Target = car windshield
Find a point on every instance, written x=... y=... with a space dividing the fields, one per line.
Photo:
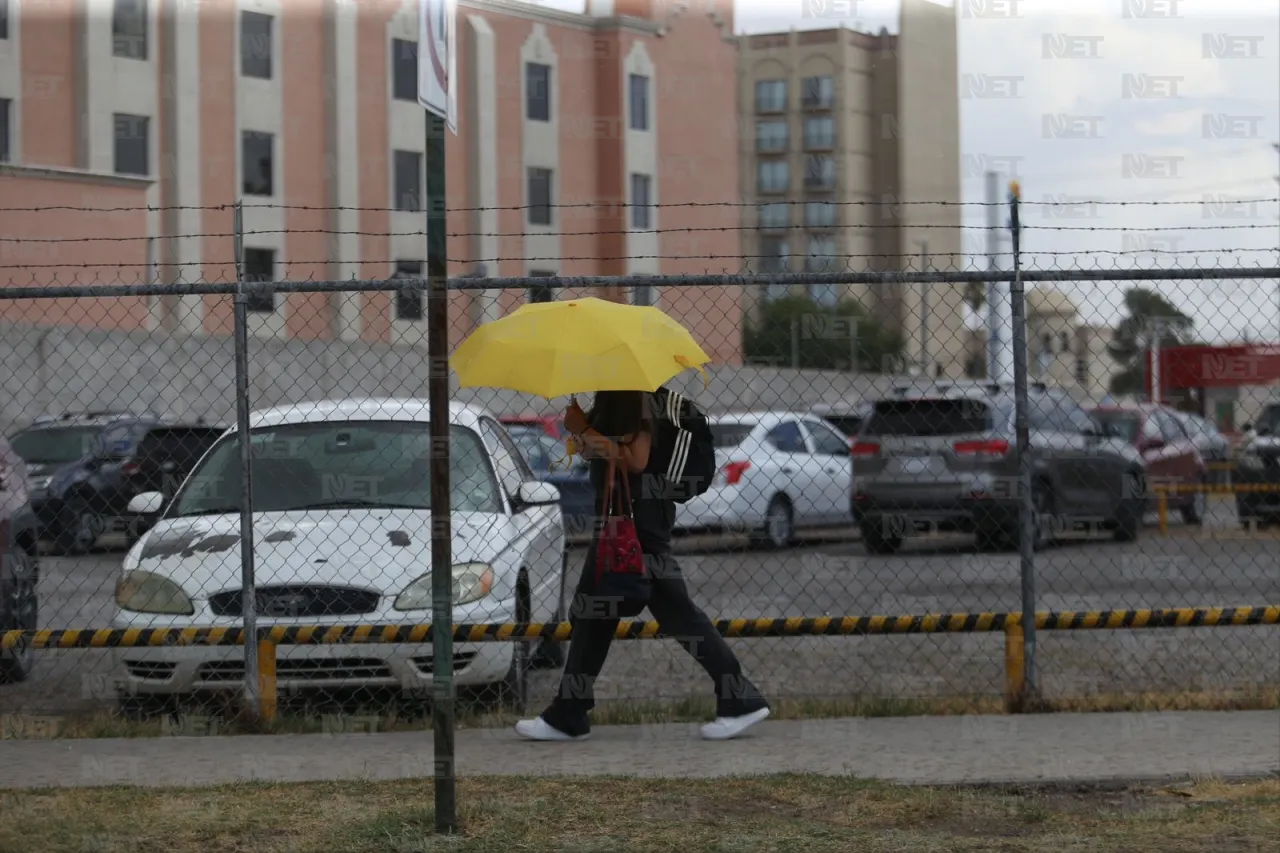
x=923 y=418
x=336 y=465
x=1118 y=424
x=543 y=452
x=730 y=434
x=56 y=445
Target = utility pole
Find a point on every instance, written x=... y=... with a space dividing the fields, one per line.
x=924 y=312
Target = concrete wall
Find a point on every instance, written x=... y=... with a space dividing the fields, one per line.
x=50 y=370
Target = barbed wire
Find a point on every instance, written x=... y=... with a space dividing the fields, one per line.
x=622 y=205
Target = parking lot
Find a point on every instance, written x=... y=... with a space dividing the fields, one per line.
x=1217 y=565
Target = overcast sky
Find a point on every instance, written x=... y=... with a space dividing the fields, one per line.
x=1088 y=100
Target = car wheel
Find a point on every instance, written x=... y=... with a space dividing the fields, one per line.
x=513 y=690
x=550 y=654
x=80 y=530
x=877 y=540
x=779 y=525
x=19 y=611
x=1196 y=508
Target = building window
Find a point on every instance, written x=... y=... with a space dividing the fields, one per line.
x=541 y=292
x=260 y=265
x=771 y=137
x=540 y=196
x=819 y=172
x=1064 y=342
x=255 y=45
x=408 y=296
x=639 y=84
x=4 y=19
x=826 y=295
x=537 y=91
x=774 y=255
x=819 y=133
x=5 y=109
x=128 y=29
x=408 y=180
x=256 y=162
x=771 y=96
x=404 y=70
x=772 y=176
x=641 y=202
x=819 y=214
x=774 y=216
x=817 y=93
x=1082 y=370
x=821 y=256
x=132 y=156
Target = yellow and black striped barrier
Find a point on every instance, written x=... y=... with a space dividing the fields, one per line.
x=801 y=626
x=1163 y=491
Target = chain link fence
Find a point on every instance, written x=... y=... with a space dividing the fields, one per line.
x=878 y=457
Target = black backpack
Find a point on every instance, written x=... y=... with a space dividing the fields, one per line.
x=682 y=461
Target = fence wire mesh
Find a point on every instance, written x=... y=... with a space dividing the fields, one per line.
x=866 y=441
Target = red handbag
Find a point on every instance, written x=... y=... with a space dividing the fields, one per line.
x=620 y=570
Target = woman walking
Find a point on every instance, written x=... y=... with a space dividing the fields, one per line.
x=619 y=427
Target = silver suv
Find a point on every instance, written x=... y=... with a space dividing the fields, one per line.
x=944 y=458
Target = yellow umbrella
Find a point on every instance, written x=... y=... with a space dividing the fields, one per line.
x=555 y=349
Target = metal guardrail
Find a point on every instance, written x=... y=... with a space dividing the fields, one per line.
x=269 y=639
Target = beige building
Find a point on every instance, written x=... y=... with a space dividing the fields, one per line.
x=838 y=129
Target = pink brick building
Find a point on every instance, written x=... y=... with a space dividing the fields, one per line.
x=306 y=112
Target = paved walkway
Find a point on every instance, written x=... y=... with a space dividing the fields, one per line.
x=923 y=750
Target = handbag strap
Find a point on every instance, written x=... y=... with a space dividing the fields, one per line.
x=610 y=482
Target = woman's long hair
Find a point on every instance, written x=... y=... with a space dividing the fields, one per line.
x=615 y=414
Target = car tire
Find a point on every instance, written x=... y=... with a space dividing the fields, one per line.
x=79 y=529
x=779 y=525
x=1194 y=511
x=876 y=541
x=19 y=611
x=549 y=653
x=513 y=690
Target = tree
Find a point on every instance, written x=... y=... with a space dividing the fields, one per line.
x=822 y=335
x=1147 y=315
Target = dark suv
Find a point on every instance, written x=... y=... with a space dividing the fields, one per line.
x=1258 y=465
x=945 y=458
x=85 y=468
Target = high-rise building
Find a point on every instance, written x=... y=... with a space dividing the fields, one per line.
x=844 y=133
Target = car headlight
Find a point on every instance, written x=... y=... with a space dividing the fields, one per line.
x=471 y=582
x=147 y=592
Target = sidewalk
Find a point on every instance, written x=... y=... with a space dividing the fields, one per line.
x=915 y=750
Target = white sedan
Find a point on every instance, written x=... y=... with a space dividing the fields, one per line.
x=342 y=530
x=776 y=472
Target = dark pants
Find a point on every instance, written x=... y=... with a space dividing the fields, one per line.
x=595 y=623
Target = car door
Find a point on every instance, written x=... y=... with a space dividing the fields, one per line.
x=539 y=539
x=791 y=469
x=1160 y=452
x=831 y=453
x=1187 y=453
x=1099 y=465
x=1058 y=451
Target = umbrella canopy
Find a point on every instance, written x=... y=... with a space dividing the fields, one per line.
x=554 y=349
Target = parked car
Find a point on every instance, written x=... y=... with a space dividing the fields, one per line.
x=19 y=563
x=1171 y=455
x=86 y=468
x=777 y=472
x=552 y=425
x=1214 y=447
x=547 y=457
x=1258 y=465
x=342 y=535
x=846 y=418
x=947 y=460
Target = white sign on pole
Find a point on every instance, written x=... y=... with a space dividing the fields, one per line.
x=437 y=59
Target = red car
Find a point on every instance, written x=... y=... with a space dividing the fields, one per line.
x=552 y=425
x=1172 y=455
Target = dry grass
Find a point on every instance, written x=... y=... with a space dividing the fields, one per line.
x=381 y=718
x=777 y=813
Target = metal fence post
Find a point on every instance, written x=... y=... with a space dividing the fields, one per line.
x=442 y=705
x=247 y=587
x=1026 y=502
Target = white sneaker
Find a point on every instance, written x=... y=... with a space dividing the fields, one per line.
x=540 y=729
x=727 y=728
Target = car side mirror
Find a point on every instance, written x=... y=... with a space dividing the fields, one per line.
x=537 y=494
x=147 y=503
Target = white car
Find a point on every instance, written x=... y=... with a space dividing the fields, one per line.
x=776 y=472
x=342 y=532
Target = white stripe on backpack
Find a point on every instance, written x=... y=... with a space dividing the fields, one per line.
x=679 y=456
